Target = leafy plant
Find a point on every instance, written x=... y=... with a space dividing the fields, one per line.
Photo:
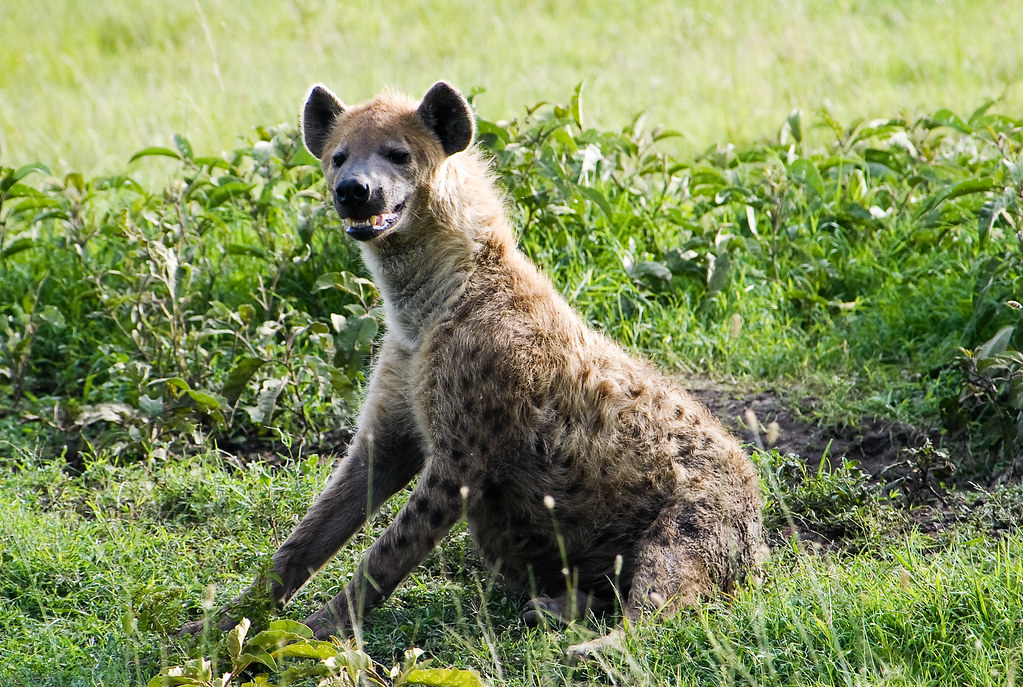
x=288 y=649
x=833 y=502
x=922 y=473
x=988 y=408
x=214 y=304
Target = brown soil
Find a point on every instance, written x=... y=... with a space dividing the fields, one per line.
x=872 y=442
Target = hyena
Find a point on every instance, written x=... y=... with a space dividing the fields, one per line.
x=583 y=473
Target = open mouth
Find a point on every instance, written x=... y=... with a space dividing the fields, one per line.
x=373 y=226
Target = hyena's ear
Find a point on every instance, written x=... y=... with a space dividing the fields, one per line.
x=448 y=115
x=322 y=108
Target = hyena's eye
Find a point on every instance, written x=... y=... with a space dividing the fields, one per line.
x=398 y=156
x=338 y=159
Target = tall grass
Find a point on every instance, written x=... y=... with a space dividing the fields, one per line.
x=82 y=86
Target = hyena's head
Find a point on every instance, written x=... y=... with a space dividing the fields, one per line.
x=378 y=158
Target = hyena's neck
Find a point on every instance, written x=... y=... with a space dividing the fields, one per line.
x=418 y=286
x=424 y=268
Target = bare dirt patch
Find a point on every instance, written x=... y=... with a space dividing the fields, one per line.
x=874 y=443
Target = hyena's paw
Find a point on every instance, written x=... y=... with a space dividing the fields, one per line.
x=224 y=623
x=542 y=610
x=562 y=609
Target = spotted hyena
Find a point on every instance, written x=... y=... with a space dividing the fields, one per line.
x=583 y=472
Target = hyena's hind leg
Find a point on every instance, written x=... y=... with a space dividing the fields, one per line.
x=691 y=549
x=700 y=543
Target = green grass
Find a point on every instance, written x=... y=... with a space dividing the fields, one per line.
x=99 y=568
x=82 y=87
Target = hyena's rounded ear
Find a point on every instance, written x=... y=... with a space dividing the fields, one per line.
x=322 y=108
x=447 y=114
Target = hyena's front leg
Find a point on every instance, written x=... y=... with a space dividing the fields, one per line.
x=435 y=505
x=363 y=481
x=372 y=473
x=383 y=457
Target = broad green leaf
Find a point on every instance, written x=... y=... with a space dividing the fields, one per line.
x=183 y=146
x=20 y=173
x=576 y=107
x=599 y=200
x=667 y=133
x=961 y=189
x=224 y=193
x=981 y=111
x=53 y=317
x=649 y=268
x=246 y=312
x=17 y=246
x=491 y=135
x=708 y=180
x=996 y=344
x=807 y=174
x=972 y=186
x=150 y=406
x=111 y=411
x=949 y=119
x=75 y=180
x=236 y=638
x=34 y=202
x=443 y=677
x=213 y=162
x=271 y=640
x=239 y=377
x=244 y=249
x=719 y=273
x=294 y=627
x=329 y=280
x=1016 y=396
x=205 y=402
x=321 y=651
x=988 y=215
x=174 y=681
x=176 y=383
x=254 y=654
x=795 y=124
x=367 y=331
x=262 y=412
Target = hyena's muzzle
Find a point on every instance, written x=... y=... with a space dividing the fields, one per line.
x=370 y=195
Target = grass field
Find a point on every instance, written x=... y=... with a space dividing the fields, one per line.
x=184 y=337
x=82 y=86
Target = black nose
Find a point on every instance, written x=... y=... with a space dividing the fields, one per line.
x=351 y=191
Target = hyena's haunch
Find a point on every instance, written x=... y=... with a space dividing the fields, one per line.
x=583 y=472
